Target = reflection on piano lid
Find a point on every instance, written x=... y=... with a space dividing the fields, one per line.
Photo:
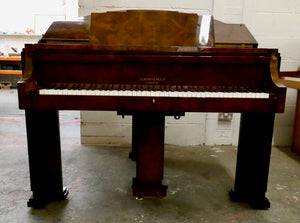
x=206 y=26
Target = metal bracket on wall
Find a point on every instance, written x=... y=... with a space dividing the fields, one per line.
x=225 y=117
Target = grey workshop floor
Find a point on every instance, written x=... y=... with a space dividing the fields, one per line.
x=99 y=178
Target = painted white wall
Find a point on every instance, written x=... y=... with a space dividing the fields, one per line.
x=18 y=18
x=19 y=15
x=274 y=23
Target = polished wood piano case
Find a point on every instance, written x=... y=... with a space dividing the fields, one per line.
x=149 y=64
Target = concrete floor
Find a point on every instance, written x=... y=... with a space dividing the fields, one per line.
x=100 y=177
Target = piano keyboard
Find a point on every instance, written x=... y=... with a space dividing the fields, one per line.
x=181 y=92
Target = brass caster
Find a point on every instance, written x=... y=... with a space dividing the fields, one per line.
x=139 y=198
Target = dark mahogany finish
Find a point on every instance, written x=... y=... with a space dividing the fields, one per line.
x=156 y=50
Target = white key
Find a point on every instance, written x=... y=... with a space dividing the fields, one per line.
x=97 y=92
x=164 y=94
x=57 y=92
x=83 y=92
x=64 y=92
x=266 y=95
x=157 y=93
x=190 y=94
x=250 y=95
x=71 y=92
x=144 y=93
x=114 y=93
x=43 y=91
x=106 y=93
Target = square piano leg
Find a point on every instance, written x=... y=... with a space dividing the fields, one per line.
x=149 y=142
x=253 y=159
x=134 y=149
x=44 y=155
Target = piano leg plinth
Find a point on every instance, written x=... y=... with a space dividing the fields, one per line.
x=44 y=155
x=143 y=189
x=39 y=201
x=149 y=143
x=253 y=159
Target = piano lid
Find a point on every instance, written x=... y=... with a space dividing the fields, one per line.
x=230 y=35
x=149 y=28
x=68 y=31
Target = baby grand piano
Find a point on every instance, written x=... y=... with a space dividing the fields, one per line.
x=149 y=64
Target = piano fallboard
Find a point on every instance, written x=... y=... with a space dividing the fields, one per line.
x=86 y=64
